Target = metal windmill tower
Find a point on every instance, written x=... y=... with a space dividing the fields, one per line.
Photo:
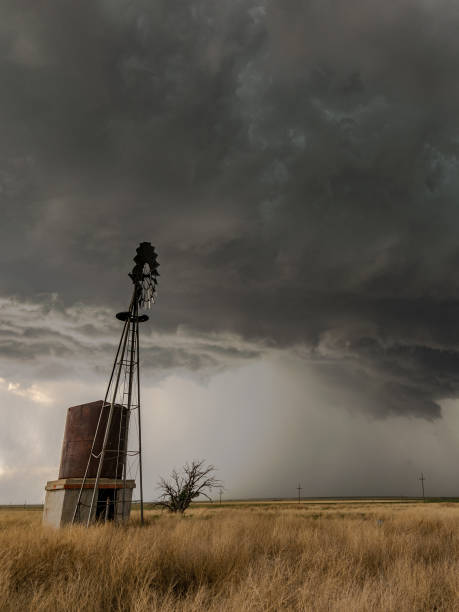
x=120 y=410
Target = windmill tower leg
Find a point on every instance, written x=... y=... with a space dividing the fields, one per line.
x=133 y=323
x=140 y=427
x=109 y=421
x=91 y=454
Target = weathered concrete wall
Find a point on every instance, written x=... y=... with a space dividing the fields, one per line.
x=123 y=511
x=52 y=511
x=62 y=496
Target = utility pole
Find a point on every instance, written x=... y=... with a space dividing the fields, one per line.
x=220 y=493
x=422 y=478
x=299 y=487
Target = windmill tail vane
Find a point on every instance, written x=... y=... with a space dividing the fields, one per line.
x=112 y=465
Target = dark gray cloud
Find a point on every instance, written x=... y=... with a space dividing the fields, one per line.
x=295 y=162
x=50 y=342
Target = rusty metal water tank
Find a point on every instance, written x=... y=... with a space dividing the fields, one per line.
x=80 y=429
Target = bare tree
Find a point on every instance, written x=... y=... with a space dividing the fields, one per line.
x=195 y=479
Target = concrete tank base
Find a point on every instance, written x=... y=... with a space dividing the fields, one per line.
x=62 y=496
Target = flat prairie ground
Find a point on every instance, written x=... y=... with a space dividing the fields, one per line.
x=346 y=556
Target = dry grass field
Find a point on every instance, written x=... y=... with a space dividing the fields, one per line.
x=322 y=556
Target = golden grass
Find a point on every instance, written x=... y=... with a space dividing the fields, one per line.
x=347 y=557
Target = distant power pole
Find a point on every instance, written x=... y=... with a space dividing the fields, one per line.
x=299 y=487
x=422 y=478
x=220 y=493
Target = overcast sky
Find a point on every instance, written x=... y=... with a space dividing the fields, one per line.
x=295 y=163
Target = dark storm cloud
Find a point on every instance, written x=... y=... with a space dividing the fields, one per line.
x=295 y=163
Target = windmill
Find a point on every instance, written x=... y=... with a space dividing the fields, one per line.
x=120 y=409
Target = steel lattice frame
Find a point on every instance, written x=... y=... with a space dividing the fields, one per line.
x=124 y=380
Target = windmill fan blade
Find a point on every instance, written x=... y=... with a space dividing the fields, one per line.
x=145 y=273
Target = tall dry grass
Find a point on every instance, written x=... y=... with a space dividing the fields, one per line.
x=337 y=557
